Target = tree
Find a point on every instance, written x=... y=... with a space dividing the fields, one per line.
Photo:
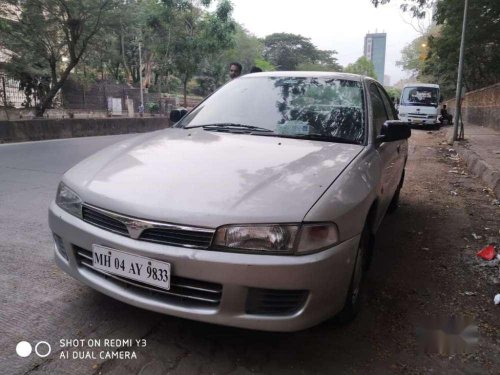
x=482 y=45
x=413 y=56
x=312 y=67
x=362 y=66
x=418 y=8
x=48 y=38
x=247 y=50
x=265 y=65
x=199 y=36
x=288 y=51
x=393 y=92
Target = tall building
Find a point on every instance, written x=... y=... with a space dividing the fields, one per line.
x=375 y=51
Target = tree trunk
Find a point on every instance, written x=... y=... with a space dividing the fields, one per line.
x=54 y=89
x=185 y=82
x=125 y=66
x=148 y=68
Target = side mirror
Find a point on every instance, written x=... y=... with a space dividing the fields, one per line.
x=394 y=130
x=177 y=114
x=441 y=99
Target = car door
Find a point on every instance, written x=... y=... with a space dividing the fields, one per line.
x=402 y=146
x=387 y=150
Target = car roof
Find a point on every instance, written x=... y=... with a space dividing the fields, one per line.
x=416 y=84
x=300 y=74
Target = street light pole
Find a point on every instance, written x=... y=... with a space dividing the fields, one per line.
x=140 y=74
x=458 y=96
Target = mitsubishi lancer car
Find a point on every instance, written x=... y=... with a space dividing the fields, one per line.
x=257 y=209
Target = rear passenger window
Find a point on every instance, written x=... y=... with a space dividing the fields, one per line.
x=379 y=114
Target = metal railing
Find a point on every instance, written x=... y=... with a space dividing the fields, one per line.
x=10 y=94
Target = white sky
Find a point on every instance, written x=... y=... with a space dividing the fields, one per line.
x=332 y=24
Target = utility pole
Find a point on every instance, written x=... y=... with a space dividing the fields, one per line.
x=140 y=74
x=458 y=96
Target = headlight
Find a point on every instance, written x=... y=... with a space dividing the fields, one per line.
x=69 y=201
x=277 y=238
x=265 y=238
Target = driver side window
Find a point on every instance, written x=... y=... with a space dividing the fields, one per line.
x=379 y=113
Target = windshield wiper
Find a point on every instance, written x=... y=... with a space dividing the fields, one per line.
x=314 y=137
x=230 y=126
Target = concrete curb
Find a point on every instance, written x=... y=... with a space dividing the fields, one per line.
x=480 y=168
x=43 y=129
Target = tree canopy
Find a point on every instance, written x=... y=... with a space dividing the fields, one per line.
x=418 y=8
x=434 y=56
x=362 y=66
x=48 y=38
x=186 y=46
x=291 y=51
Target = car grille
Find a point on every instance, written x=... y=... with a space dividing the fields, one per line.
x=275 y=302
x=177 y=237
x=417 y=115
x=183 y=292
x=166 y=234
x=103 y=221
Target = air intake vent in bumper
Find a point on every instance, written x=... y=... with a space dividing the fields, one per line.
x=275 y=302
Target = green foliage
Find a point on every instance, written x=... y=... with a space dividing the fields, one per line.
x=362 y=66
x=288 y=51
x=413 y=56
x=40 y=33
x=418 y=8
x=153 y=107
x=199 y=36
x=266 y=66
x=393 y=92
x=314 y=67
x=246 y=49
x=482 y=45
x=186 y=45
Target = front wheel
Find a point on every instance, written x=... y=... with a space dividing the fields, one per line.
x=353 y=301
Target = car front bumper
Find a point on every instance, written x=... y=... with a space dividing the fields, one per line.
x=420 y=121
x=240 y=282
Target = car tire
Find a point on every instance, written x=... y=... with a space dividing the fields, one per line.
x=352 y=303
x=393 y=206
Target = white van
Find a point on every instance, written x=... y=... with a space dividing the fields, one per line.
x=419 y=103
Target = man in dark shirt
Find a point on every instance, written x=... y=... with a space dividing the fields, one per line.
x=445 y=116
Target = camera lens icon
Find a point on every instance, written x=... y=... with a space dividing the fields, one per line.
x=23 y=349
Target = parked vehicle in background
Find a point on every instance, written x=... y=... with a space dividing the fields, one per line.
x=258 y=210
x=419 y=104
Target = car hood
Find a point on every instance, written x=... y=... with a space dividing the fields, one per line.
x=203 y=178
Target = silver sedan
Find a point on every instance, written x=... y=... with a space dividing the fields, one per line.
x=258 y=209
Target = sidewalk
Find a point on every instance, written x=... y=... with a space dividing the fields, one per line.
x=481 y=152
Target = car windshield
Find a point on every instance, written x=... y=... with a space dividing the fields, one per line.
x=302 y=107
x=420 y=96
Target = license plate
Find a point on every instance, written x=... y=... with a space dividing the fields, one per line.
x=134 y=267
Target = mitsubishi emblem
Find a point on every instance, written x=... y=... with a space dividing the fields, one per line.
x=135 y=228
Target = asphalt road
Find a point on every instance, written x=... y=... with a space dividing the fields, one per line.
x=424 y=267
